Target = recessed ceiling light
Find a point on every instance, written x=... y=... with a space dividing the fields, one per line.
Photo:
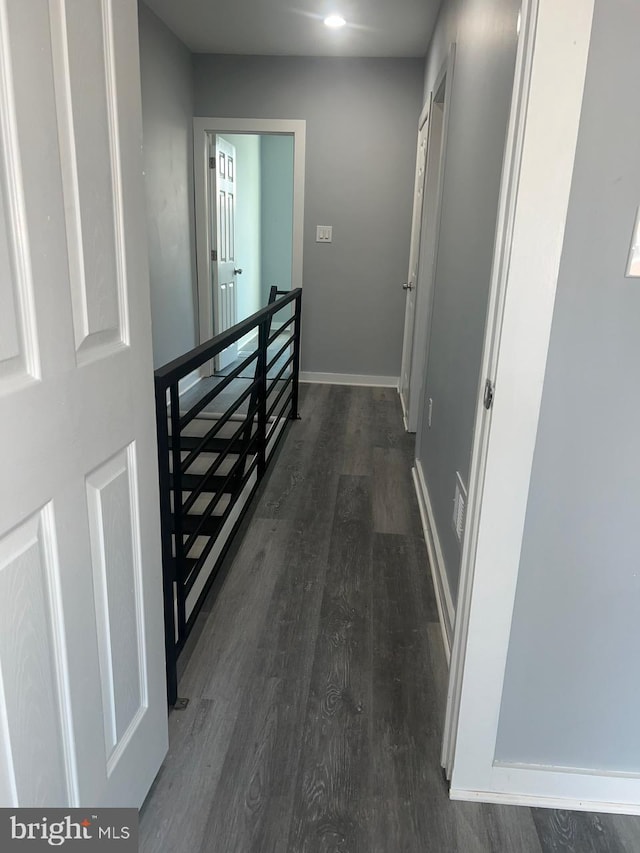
x=335 y=21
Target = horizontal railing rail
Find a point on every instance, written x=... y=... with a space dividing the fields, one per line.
x=185 y=364
x=214 y=444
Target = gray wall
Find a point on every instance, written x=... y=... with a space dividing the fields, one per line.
x=572 y=691
x=248 y=222
x=277 y=212
x=480 y=99
x=167 y=111
x=361 y=135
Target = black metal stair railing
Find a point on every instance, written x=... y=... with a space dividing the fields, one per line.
x=213 y=454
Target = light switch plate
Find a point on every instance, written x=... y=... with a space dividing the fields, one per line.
x=324 y=233
x=633 y=267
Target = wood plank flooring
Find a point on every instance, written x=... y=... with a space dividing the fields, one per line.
x=317 y=678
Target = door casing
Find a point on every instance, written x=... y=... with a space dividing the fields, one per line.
x=537 y=171
x=203 y=128
x=422 y=155
x=429 y=238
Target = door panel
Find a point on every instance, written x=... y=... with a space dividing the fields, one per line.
x=19 y=362
x=82 y=696
x=428 y=250
x=85 y=92
x=117 y=583
x=414 y=259
x=225 y=311
x=34 y=677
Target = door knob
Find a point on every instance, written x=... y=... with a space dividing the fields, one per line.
x=237 y=271
x=407 y=286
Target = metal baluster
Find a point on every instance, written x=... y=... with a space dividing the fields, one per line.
x=296 y=357
x=168 y=561
x=261 y=370
x=178 y=542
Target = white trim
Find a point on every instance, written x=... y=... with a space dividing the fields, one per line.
x=565 y=803
x=419 y=184
x=633 y=264
x=250 y=340
x=187 y=382
x=521 y=326
x=444 y=600
x=531 y=784
x=556 y=768
x=504 y=236
x=428 y=264
x=402 y=404
x=202 y=127
x=205 y=572
x=17 y=230
x=221 y=541
x=350 y=379
x=425 y=113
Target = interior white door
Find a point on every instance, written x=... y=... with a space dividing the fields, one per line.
x=224 y=269
x=414 y=260
x=83 y=716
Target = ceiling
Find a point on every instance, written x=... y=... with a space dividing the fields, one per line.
x=390 y=28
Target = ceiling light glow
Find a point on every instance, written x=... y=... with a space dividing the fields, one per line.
x=335 y=21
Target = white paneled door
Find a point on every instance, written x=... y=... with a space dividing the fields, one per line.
x=224 y=263
x=414 y=260
x=82 y=687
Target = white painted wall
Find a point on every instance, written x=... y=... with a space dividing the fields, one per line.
x=485 y=35
x=361 y=123
x=276 y=159
x=167 y=111
x=571 y=695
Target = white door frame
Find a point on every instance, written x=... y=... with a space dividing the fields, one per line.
x=222 y=233
x=538 y=168
x=427 y=265
x=424 y=127
x=202 y=127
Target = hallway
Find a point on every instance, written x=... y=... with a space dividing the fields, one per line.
x=316 y=675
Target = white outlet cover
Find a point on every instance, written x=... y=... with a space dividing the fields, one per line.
x=633 y=267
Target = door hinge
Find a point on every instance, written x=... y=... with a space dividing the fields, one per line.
x=214 y=254
x=212 y=162
x=489 y=394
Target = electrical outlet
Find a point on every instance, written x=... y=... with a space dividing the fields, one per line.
x=459 y=507
x=430 y=412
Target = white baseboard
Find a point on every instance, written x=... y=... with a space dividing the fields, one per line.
x=350 y=379
x=223 y=536
x=444 y=601
x=189 y=381
x=404 y=409
x=534 y=801
x=250 y=340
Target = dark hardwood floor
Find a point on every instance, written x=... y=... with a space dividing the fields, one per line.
x=317 y=678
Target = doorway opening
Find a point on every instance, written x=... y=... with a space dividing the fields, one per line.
x=251 y=225
x=430 y=167
x=249 y=196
